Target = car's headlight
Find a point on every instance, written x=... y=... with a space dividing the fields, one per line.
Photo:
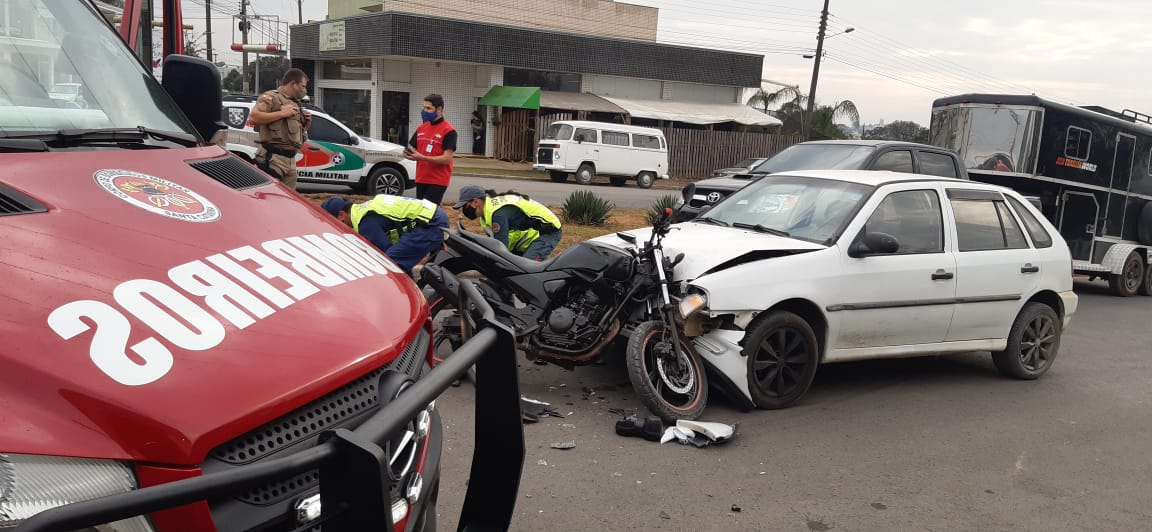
x=691 y=304
x=30 y=484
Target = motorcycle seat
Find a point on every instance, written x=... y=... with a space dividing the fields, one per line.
x=498 y=248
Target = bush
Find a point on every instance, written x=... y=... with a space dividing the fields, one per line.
x=586 y=208
x=667 y=201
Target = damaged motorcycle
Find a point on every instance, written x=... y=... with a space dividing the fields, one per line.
x=568 y=310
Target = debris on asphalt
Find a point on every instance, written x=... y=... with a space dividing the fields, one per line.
x=664 y=515
x=564 y=445
x=532 y=410
x=541 y=462
x=698 y=433
x=735 y=507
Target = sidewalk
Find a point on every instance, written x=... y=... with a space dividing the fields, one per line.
x=476 y=166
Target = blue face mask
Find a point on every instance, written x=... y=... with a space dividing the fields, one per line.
x=428 y=116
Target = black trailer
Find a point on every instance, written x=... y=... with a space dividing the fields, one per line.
x=1089 y=168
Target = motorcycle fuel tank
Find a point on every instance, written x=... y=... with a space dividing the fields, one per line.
x=614 y=263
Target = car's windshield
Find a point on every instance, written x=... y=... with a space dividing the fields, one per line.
x=817 y=157
x=558 y=132
x=65 y=68
x=746 y=163
x=806 y=208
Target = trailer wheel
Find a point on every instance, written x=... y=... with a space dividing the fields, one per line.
x=1131 y=278
x=1144 y=226
x=1146 y=286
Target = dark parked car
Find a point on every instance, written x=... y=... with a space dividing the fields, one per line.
x=742 y=167
x=896 y=156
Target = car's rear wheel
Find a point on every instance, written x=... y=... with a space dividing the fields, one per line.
x=1131 y=277
x=585 y=174
x=645 y=179
x=384 y=180
x=783 y=354
x=1033 y=343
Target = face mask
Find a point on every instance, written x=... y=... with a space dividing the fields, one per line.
x=469 y=211
x=428 y=116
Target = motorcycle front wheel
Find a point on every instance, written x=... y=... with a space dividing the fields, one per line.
x=671 y=386
x=448 y=329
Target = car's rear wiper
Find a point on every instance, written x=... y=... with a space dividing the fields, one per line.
x=712 y=221
x=22 y=145
x=763 y=229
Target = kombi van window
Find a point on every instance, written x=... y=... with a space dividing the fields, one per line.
x=67 y=72
x=558 y=132
x=646 y=141
x=586 y=135
x=615 y=139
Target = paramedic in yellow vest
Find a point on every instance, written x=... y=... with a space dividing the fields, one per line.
x=282 y=121
x=527 y=227
x=405 y=229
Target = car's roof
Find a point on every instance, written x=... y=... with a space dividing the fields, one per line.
x=251 y=99
x=876 y=178
x=867 y=142
x=610 y=125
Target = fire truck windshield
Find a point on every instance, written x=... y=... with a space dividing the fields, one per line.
x=49 y=44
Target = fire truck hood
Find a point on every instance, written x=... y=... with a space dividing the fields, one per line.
x=151 y=312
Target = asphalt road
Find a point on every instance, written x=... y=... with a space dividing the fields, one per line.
x=918 y=444
x=542 y=190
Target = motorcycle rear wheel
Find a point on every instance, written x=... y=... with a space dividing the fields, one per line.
x=671 y=387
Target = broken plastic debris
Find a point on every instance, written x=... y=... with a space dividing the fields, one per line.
x=541 y=462
x=565 y=445
x=698 y=433
x=533 y=410
x=664 y=515
x=735 y=507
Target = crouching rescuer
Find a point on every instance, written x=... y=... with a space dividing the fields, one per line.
x=406 y=229
x=526 y=227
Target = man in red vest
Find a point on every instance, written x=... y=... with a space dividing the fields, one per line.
x=432 y=147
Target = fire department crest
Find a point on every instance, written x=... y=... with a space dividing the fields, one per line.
x=156 y=195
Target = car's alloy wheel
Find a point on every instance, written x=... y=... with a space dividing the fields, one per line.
x=1033 y=343
x=385 y=180
x=783 y=354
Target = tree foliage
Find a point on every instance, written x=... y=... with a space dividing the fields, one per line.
x=899 y=130
x=791 y=107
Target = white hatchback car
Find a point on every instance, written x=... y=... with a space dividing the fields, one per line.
x=804 y=268
x=332 y=154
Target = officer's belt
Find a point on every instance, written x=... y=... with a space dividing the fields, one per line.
x=277 y=151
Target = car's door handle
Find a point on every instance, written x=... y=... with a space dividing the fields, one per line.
x=942 y=275
x=1029 y=268
x=313 y=148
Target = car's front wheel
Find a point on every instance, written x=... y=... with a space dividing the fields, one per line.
x=783 y=354
x=645 y=179
x=1032 y=343
x=384 y=180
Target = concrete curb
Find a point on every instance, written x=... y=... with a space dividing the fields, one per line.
x=663 y=184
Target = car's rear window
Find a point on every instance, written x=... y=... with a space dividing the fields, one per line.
x=1040 y=236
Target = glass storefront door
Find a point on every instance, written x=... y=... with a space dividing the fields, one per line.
x=353 y=107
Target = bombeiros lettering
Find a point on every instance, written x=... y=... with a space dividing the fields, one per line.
x=192 y=309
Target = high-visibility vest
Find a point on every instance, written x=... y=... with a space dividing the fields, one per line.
x=519 y=240
x=407 y=211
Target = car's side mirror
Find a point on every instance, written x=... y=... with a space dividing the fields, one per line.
x=194 y=85
x=686 y=194
x=874 y=243
x=354 y=141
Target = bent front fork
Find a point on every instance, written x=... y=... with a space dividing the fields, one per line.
x=666 y=307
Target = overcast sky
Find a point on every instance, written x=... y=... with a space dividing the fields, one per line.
x=902 y=53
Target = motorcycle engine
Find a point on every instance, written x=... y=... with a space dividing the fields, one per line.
x=572 y=327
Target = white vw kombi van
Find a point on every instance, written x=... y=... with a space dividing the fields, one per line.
x=588 y=149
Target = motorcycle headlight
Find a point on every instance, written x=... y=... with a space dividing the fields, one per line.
x=691 y=304
x=30 y=484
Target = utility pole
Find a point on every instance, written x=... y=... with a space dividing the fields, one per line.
x=244 y=40
x=300 y=11
x=815 y=71
x=208 y=33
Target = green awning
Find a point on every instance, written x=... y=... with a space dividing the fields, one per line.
x=518 y=97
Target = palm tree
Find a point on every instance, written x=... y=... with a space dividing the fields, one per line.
x=791 y=110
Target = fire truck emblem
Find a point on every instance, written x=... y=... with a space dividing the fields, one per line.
x=157 y=195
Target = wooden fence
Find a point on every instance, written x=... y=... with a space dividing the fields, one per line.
x=692 y=153
x=695 y=153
